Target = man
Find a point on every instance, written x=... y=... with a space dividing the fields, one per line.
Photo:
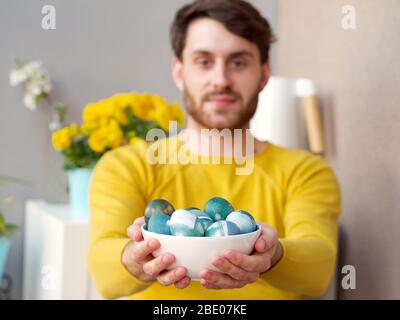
x=221 y=64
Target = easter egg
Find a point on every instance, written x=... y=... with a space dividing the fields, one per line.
x=185 y=223
x=222 y=228
x=157 y=206
x=243 y=220
x=218 y=208
x=203 y=218
x=159 y=223
x=192 y=208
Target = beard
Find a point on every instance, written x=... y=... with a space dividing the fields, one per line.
x=238 y=120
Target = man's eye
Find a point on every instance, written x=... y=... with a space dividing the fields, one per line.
x=204 y=62
x=238 y=64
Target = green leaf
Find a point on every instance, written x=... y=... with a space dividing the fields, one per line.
x=2 y=224
x=10 y=229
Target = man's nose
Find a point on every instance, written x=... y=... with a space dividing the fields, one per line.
x=220 y=77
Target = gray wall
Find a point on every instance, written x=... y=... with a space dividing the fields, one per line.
x=358 y=73
x=99 y=48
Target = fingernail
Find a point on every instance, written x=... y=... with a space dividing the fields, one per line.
x=218 y=262
x=166 y=259
x=130 y=232
x=152 y=243
x=262 y=244
x=180 y=272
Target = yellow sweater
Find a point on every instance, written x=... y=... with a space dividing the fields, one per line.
x=293 y=191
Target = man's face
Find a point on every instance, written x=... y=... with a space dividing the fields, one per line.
x=220 y=75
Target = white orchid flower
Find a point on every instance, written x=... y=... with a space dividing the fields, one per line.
x=33 y=68
x=30 y=101
x=17 y=76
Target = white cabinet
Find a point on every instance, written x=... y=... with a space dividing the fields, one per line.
x=55 y=250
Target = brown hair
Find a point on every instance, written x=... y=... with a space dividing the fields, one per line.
x=238 y=16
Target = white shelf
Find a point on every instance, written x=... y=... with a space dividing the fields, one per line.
x=55 y=250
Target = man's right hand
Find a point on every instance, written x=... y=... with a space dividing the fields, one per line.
x=139 y=261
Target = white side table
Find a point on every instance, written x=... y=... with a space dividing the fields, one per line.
x=55 y=250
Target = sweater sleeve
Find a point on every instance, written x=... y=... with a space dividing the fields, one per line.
x=116 y=199
x=309 y=241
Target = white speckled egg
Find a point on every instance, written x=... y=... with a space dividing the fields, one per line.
x=185 y=223
x=203 y=218
x=222 y=228
x=243 y=220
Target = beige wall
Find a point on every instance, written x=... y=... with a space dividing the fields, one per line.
x=358 y=73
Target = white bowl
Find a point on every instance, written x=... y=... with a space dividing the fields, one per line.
x=196 y=253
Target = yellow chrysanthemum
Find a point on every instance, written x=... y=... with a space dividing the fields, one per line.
x=97 y=141
x=114 y=135
x=91 y=117
x=142 y=106
x=107 y=136
x=135 y=140
x=161 y=115
x=178 y=114
x=122 y=100
x=73 y=130
x=62 y=139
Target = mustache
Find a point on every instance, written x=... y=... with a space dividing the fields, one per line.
x=221 y=92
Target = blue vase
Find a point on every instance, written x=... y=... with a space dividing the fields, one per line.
x=4 y=245
x=78 y=188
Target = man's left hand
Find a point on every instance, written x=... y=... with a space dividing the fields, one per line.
x=238 y=269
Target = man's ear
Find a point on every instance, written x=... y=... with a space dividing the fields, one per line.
x=177 y=66
x=266 y=70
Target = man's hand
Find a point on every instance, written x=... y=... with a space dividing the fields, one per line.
x=138 y=260
x=237 y=269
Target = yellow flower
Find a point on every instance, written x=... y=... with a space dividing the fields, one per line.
x=122 y=100
x=141 y=106
x=62 y=139
x=162 y=116
x=135 y=140
x=178 y=114
x=91 y=117
x=96 y=141
x=73 y=130
x=107 y=136
x=114 y=135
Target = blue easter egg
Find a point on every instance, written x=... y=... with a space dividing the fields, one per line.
x=159 y=223
x=218 y=208
x=157 y=206
x=192 y=208
x=185 y=223
x=243 y=220
x=222 y=229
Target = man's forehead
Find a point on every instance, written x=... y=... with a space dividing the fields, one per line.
x=210 y=36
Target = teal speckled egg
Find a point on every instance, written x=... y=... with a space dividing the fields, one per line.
x=159 y=223
x=218 y=208
x=222 y=229
x=185 y=223
x=204 y=219
x=192 y=208
x=158 y=206
x=243 y=220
